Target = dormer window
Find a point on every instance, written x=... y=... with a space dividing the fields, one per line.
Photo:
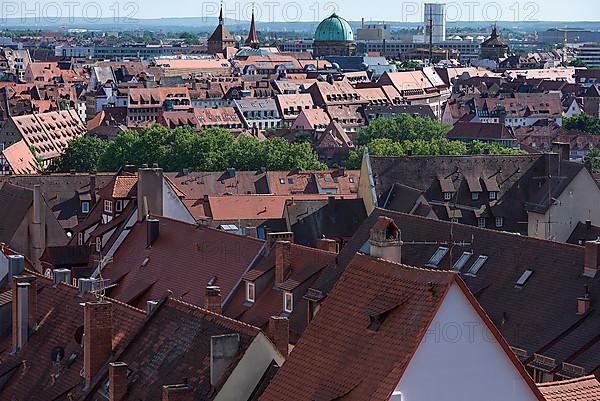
x=250 y=292
x=108 y=206
x=499 y=222
x=493 y=195
x=85 y=207
x=481 y=222
x=447 y=196
x=119 y=206
x=474 y=196
x=288 y=302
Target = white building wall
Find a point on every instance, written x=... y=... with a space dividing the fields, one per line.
x=173 y=207
x=460 y=360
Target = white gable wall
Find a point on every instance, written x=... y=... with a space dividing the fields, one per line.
x=460 y=360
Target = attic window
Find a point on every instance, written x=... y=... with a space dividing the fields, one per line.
x=474 y=196
x=438 y=256
x=493 y=195
x=477 y=265
x=85 y=207
x=250 y=292
x=460 y=263
x=288 y=302
x=108 y=206
x=523 y=279
x=447 y=195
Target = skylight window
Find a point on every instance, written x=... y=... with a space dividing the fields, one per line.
x=524 y=278
x=460 y=263
x=438 y=256
x=477 y=265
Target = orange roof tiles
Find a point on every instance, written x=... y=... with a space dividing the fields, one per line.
x=581 y=389
x=20 y=159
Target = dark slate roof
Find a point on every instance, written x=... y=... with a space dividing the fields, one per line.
x=520 y=182
x=174 y=348
x=336 y=219
x=538 y=317
x=66 y=256
x=479 y=131
x=16 y=202
x=583 y=232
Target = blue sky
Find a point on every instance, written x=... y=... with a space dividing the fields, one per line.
x=313 y=10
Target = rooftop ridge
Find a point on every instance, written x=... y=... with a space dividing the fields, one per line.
x=229 y=322
x=569 y=381
x=403 y=266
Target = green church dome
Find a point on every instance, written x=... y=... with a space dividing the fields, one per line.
x=334 y=29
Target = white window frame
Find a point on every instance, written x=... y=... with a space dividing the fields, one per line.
x=481 y=222
x=80 y=238
x=499 y=222
x=98 y=244
x=493 y=195
x=119 y=206
x=447 y=196
x=474 y=196
x=288 y=302
x=85 y=207
x=250 y=291
x=108 y=207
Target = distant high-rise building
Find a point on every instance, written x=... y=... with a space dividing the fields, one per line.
x=434 y=18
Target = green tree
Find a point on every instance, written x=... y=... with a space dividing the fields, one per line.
x=577 y=63
x=583 y=122
x=82 y=155
x=403 y=127
x=592 y=160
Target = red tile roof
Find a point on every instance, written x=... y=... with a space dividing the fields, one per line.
x=184 y=258
x=581 y=389
x=338 y=357
x=59 y=317
x=20 y=159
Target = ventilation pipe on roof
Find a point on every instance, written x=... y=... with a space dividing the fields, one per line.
x=86 y=285
x=38 y=229
x=151 y=307
x=61 y=276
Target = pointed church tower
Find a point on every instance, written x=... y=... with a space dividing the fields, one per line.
x=252 y=39
x=221 y=38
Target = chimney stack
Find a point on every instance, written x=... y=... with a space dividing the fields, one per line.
x=151 y=307
x=97 y=347
x=153 y=231
x=16 y=266
x=213 y=299
x=117 y=379
x=326 y=244
x=177 y=392
x=563 y=149
x=61 y=276
x=583 y=305
x=86 y=285
x=279 y=333
x=223 y=350
x=24 y=309
x=38 y=229
x=272 y=238
x=590 y=268
x=385 y=240
x=283 y=260
x=149 y=192
x=93 y=187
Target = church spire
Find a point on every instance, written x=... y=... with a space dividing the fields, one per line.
x=252 y=39
x=221 y=19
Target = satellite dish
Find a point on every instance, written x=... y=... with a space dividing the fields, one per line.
x=57 y=354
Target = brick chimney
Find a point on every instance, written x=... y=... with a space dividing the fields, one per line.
x=213 y=299
x=117 y=378
x=283 y=260
x=24 y=309
x=583 y=305
x=279 y=333
x=97 y=347
x=385 y=240
x=591 y=258
x=272 y=238
x=177 y=392
x=326 y=244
